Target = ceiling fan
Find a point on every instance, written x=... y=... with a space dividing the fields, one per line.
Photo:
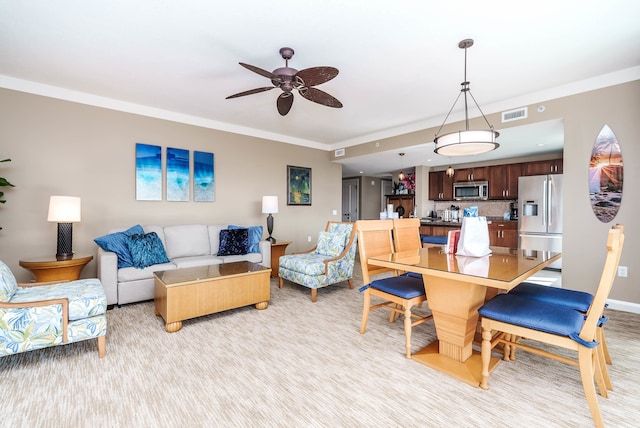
x=288 y=79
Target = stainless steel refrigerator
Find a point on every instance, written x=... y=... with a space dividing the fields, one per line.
x=540 y=213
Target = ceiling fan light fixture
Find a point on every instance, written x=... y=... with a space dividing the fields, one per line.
x=466 y=142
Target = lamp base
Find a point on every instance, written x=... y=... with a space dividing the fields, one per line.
x=65 y=239
x=65 y=256
x=270 y=229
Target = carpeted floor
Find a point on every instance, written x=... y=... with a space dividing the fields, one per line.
x=296 y=364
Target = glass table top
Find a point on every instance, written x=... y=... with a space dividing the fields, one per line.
x=176 y=276
x=503 y=264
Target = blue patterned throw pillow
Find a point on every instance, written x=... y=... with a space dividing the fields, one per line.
x=330 y=244
x=117 y=243
x=233 y=242
x=255 y=236
x=8 y=284
x=146 y=250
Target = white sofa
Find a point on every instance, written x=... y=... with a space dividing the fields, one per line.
x=185 y=245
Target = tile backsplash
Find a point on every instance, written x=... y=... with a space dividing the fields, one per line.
x=485 y=208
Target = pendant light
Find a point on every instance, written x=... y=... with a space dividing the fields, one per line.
x=466 y=142
x=450 y=172
x=401 y=176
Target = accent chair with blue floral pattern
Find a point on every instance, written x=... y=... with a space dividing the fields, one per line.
x=331 y=261
x=39 y=315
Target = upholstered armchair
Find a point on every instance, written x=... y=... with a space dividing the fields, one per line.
x=331 y=261
x=38 y=315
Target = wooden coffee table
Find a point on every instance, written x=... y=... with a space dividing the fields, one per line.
x=182 y=294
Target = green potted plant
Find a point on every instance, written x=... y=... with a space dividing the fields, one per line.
x=4 y=182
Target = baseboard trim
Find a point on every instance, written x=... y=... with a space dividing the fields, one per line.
x=620 y=305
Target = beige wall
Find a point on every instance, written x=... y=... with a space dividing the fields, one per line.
x=584 y=235
x=64 y=148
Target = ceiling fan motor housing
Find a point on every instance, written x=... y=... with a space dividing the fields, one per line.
x=287 y=81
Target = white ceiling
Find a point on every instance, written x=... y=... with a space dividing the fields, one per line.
x=400 y=67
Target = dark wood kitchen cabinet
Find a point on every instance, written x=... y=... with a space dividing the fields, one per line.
x=503 y=234
x=503 y=181
x=471 y=174
x=404 y=205
x=440 y=186
x=553 y=166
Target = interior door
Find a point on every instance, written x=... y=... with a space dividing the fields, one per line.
x=350 y=199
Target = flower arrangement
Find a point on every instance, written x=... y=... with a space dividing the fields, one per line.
x=405 y=186
x=409 y=182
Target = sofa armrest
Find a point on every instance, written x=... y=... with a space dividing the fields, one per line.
x=108 y=274
x=265 y=250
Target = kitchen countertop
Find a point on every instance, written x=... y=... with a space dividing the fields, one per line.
x=439 y=222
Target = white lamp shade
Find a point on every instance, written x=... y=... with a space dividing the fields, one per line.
x=64 y=209
x=269 y=204
x=464 y=143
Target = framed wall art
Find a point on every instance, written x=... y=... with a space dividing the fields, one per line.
x=177 y=174
x=148 y=172
x=203 y=177
x=298 y=185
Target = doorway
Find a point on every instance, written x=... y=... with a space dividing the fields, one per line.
x=350 y=199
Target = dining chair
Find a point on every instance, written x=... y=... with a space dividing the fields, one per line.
x=406 y=234
x=399 y=292
x=516 y=317
x=572 y=299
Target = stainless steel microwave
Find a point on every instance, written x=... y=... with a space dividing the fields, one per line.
x=471 y=191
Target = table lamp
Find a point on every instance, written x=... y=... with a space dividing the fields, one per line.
x=64 y=210
x=270 y=206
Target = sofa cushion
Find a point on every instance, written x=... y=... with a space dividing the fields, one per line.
x=146 y=250
x=233 y=242
x=255 y=236
x=330 y=244
x=186 y=240
x=249 y=257
x=193 y=261
x=117 y=243
x=133 y=274
x=8 y=284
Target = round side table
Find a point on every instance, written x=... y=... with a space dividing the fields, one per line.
x=54 y=270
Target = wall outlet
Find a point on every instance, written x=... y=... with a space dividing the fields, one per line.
x=309 y=238
x=335 y=212
x=622 y=271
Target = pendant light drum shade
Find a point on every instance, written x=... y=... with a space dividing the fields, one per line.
x=464 y=143
x=468 y=141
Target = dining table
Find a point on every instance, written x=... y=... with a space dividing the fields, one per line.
x=456 y=286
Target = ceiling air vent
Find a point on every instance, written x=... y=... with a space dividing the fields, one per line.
x=517 y=114
x=339 y=152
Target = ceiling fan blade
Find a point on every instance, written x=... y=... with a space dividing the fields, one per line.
x=261 y=72
x=320 y=97
x=317 y=75
x=284 y=103
x=250 y=92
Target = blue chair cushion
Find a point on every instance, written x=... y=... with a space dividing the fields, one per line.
x=571 y=299
x=432 y=239
x=413 y=275
x=403 y=286
x=517 y=310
